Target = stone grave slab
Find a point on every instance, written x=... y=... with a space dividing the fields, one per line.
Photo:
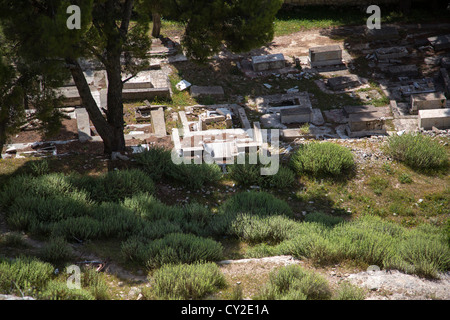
x=385 y=33
x=83 y=124
x=391 y=53
x=213 y=91
x=440 y=42
x=409 y=70
x=325 y=55
x=267 y=62
x=422 y=101
x=344 y=82
x=296 y=115
x=439 y=118
x=158 y=123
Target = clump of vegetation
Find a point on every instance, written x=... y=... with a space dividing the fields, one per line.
x=405 y=178
x=417 y=151
x=58 y=290
x=40 y=167
x=13 y=240
x=56 y=251
x=155 y=162
x=250 y=174
x=322 y=160
x=173 y=248
x=187 y=281
x=378 y=184
x=347 y=291
x=24 y=275
x=294 y=283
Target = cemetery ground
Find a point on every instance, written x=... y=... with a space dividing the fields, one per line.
x=398 y=195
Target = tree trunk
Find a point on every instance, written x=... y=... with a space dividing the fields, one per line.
x=156 y=31
x=110 y=129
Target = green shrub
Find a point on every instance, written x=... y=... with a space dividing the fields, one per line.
x=155 y=162
x=261 y=204
x=24 y=275
x=185 y=281
x=115 y=186
x=246 y=174
x=283 y=179
x=79 y=229
x=322 y=218
x=347 y=291
x=292 y=282
x=56 y=251
x=195 y=176
x=14 y=240
x=173 y=248
x=151 y=209
x=322 y=159
x=417 y=151
x=40 y=167
x=378 y=184
x=58 y=290
x=255 y=229
x=95 y=283
x=405 y=178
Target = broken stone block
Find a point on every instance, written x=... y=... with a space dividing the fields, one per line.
x=409 y=70
x=296 y=115
x=158 y=123
x=439 y=118
x=440 y=42
x=325 y=55
x=344 y=82
x=445 y=62
x=385 y=33
x=83 y=124
x=422 y=101
x=213 y=91
x=391 y=53
x=366 y=123
x=267 y=62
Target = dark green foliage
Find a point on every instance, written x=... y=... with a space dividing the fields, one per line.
x=322 y=160
x=348 y=291
x=56 y=251
x=322 y=218
x=24 y=275
x=417 y=151
x=115 y=185
x=173 y=248
x=246 y=174
x=186 y=281
x=292 y=282
x=258 y=204
x=155 y=162
x=58 y=290
x=195 y=176
x=283 y=179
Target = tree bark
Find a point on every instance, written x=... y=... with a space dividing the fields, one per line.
x=110 y=129
x=156 y=31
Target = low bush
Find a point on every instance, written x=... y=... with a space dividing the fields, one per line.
x=378 y=184
x=417 y=151
x=292 y=282
x=155 y=162
x=95 y=283
x=405 y=178
x=348 y=291
x=173 y=248
x=14 y=240
x=255 y=229
x=322 y=160
x=24 y=275
x=324 y=219
x=246 y=174
x=195 y=176
x=184 y=281
x=56 y=251
x=58 y=290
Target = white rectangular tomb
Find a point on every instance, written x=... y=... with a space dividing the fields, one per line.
x=325 y=55
x=267 y=62
x=438 y=118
